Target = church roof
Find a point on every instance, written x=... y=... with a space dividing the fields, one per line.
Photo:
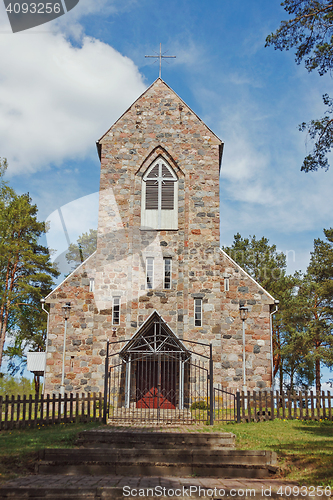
x=158 y=82
x=247 y=274
x=67 y=278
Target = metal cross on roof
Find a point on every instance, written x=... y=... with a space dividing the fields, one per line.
x=161 y=56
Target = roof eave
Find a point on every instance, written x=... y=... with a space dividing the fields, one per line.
x=247 y=274
x=69 y=276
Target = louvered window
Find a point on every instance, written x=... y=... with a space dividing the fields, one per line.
x=167 y=188
x=159 y=197
x=152 y=189
x=151 y=195
x=167 y=195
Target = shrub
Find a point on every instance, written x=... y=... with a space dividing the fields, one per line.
x=199 y=405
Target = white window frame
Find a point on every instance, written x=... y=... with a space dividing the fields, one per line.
x=92 y=285
x=198 y=303
x=226 y=284
x=114 y=304
x=164 y=273
x=164 y=219
x=149 y=273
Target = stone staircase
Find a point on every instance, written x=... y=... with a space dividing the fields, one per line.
x=177 y=454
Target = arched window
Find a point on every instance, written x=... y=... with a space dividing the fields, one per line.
x=159 y=201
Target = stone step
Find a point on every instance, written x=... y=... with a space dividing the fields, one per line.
x=204 y=463
x=178 y=470
x=106 y=438
x=131 y=420
x=112 y=488
x=151 y=415
x=193 y=456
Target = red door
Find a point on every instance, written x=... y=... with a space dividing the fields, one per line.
x=156 y=384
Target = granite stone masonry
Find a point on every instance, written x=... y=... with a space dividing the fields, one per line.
x=158 y=249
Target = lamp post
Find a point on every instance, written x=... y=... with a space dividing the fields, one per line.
x=276 y=303
x=66 y=311
x=243 y=315
x=42 y=301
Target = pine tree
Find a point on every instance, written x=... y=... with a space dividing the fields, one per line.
x=260 y=259
x=85 y=246
x=310 y=30
x=26 y=272
x=268 y=267
x=317 y=291
x=292 y=324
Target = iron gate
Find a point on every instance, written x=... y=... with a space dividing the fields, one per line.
x=226 y=405
x=156 y=377
x=166 y=387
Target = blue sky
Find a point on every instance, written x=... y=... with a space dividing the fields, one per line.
x=63 y=84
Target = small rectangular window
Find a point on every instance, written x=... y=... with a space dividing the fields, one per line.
x=116 y=311
x=149 y=272
x=167 y=273
x=92 y=285
x=197 y=312
x=226 y=284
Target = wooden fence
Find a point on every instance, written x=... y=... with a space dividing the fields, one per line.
x=18 y=412
x=268 y=405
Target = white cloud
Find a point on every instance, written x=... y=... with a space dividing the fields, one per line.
x=70 y=23
x=261 y=183
x=56 y=100
x=241 y=77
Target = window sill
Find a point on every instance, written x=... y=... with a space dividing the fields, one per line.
x=153 y=229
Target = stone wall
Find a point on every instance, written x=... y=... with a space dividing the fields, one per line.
x=244 y=291
x=158 y=123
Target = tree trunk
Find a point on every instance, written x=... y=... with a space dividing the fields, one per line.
x=37 y=384
x=2 y=313
x=292 y=371
x=2 y=343
x=4 y=328
x=318 y=385
x=9 y=286
x=317 y=360
x=281 y=377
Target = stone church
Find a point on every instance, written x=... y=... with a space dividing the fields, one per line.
x=158 y=257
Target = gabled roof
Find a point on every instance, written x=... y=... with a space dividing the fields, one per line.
x=247 y=274
x=154 y=337
x=70 y=275
x=155 y=83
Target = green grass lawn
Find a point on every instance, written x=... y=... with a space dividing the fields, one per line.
x=19 y=448
x=304 y=448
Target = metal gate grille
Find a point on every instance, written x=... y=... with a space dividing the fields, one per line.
x=157 y=388
x=156 y=378
x=226 y=405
